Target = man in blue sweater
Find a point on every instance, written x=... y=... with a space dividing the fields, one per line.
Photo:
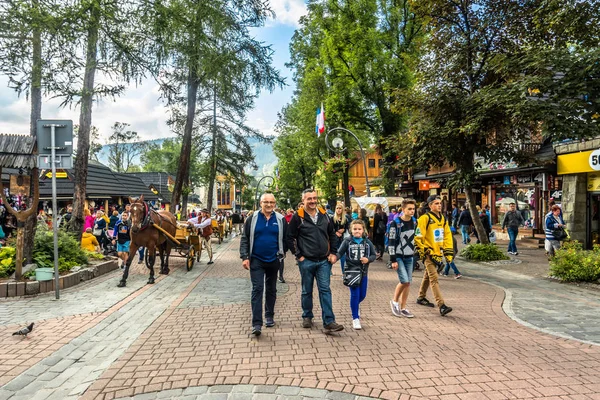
x=263 y=245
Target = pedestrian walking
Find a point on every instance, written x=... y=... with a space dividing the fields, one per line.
x=122 y=238
x=100 y=227
x=315 y=245
x=465 y=221
x=434 y=240
x=401 y=246
x=512 y=221
x=358 y=251
x=555 y=230
x=379 y=229
x=341 y=223
x=262 y=246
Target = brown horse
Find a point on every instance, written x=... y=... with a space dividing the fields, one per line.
x=144 y=234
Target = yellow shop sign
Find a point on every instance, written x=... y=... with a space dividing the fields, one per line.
x=576 y=163
x=593 y=182
x=59 y=175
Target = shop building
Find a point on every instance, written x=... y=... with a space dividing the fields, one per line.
x=578 y=163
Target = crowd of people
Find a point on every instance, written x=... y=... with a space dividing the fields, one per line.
x=318 y=237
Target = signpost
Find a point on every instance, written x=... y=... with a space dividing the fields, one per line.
x=55 y=136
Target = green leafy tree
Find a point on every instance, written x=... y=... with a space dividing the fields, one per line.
x=165 y=158
x=108 y=38
x=496 y=75
x=356 y=53
x=212 y=59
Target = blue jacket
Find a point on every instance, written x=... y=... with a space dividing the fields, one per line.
x=551 y=224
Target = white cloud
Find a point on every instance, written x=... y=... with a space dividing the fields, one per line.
x=288 y=12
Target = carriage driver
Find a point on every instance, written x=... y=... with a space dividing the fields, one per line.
x=203 y=223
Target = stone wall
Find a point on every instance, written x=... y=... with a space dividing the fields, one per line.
x=574 y=193
x=27 y=288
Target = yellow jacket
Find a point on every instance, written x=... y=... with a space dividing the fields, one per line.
x=433 y=235
x=89 y=242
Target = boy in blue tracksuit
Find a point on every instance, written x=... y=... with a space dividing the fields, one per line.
x=359 y=252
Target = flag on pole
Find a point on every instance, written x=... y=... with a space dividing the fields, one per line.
x=320 y=124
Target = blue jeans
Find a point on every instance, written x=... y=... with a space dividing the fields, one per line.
x=405 y=268
x=357 y=295
x=321 y=270
x=453 y=266
x=512 y=235
x=464 y=230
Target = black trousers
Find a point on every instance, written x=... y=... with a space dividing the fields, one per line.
x=264 y=278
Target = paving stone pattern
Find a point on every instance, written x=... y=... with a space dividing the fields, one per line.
x=475 y=352
x=548 y=305
x=68 y=372
x=91 y=299
x=221 y=291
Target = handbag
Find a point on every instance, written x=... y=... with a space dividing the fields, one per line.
x=559 y=233
x=97 y=232
x=492 y=237
x=352 y=275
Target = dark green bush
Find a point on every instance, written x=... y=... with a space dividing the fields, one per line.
x=70 y=252
x=573 y=264
x=483 y=252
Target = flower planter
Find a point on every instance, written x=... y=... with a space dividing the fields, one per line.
x=44 y=274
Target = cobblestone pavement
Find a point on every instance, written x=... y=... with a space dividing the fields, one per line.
x=187 y=337
x=550 y=306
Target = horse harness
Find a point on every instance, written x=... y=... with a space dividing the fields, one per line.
x=147 y=221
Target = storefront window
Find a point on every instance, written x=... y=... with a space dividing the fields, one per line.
x=525 y=201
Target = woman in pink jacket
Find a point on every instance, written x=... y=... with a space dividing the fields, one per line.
x=88 y=219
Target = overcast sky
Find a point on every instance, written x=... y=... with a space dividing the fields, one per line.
x=140 y=106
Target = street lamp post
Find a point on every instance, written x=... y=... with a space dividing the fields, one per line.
x=258 y=187
x=337 y=146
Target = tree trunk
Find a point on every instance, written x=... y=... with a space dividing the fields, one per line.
x=213 y=157
x=183 y=171
x=36 y=113
x=85 y=122
x=483 y=237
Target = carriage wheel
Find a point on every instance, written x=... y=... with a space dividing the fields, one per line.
x=190 y=258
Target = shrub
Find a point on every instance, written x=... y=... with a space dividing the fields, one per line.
x=573 y=264
x=483 y=252
x=7 y=261
x=69 y=250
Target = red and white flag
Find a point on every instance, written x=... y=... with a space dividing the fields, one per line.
x=320 y=124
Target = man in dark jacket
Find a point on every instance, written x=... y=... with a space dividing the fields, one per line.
x=262 y=247
x=465 y=221
x=513 y=220
x=315 y=245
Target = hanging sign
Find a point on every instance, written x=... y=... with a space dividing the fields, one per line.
x=423 y=185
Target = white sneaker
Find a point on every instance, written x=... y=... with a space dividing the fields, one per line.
x=395 y=309
x=356 y=324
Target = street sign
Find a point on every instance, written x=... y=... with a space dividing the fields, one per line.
x=63 y=148
x=55 y=149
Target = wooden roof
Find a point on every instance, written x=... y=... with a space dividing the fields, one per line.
x=102 y=183
x=16 y=151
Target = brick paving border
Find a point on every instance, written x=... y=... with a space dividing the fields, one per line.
x=246 y=392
